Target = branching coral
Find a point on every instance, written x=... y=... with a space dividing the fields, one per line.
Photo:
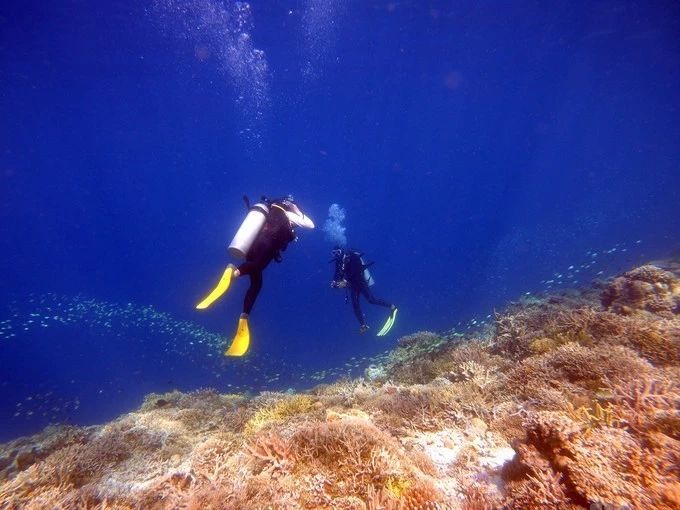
x=279 y=411
x=210 y=459
x=594 y=416
x=658 y=341
x=416 y=359
x=476 y=497
x=351 y=449
x=422 y=341
x=409 y=407
x=600 y=465
x=22 y=453
x=649 y=405
x=422 y=496
x=345 y=392
x=539 y=328
x=551 y=380
x=478 y=375
x=396 y=486
x=354 y=454
x=271 y=453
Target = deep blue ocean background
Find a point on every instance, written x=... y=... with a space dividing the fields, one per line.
x=479 y=149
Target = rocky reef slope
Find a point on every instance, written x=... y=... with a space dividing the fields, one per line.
x=570 y=401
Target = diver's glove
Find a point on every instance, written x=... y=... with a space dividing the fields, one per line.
x=339 y=284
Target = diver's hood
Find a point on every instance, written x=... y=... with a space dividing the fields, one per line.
x=296 y=216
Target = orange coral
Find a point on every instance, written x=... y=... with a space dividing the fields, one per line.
x=422 y=496
x=271 y=454
x=541 y=490
x=650 y=404
x=477 y=497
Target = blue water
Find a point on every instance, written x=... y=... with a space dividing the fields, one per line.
x=479 y=149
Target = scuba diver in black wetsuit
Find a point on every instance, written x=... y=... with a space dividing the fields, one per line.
x=352 y=273
x=277 y=232
x=266 y=232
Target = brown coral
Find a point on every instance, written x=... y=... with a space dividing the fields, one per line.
x=553 y=379
x=604 y=465
x=271 y=454
x=647 y=288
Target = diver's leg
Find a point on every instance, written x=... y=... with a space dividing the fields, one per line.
x=253 y=291
x=249 y=267
x=368 y=294
x=257 y=260
x=366 y=291
x=222 y=287
x=356 y=306
x=254 y=265
x=357 y=310
x=241 y=341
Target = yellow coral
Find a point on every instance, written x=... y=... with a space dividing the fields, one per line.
x=595 y=416
x=397 y=486
x=542 y=345
x=279 y=412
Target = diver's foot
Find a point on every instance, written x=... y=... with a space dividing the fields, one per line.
x=241 y=341
x=236 y=273
x=389 y=322
x=393 y=307
x=220 y=289
x=363 y=328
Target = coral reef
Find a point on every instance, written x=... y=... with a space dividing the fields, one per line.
x=571 y=402
x=644 y=289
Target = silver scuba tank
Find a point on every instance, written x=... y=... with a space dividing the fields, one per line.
x=368 y=278
x=247 y=232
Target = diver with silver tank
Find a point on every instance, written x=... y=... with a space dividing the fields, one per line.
x=266 y=231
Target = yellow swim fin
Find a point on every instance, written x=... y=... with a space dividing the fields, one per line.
x=221 y=288
x=241 y=342
x=388 y=323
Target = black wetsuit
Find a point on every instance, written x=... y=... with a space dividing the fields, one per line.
x=274 y=237
x=349 y=267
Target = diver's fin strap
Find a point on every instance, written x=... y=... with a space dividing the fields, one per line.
x=241 y=341
x=221 y=288
x=388 y=323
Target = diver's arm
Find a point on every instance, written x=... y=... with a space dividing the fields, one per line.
x=339 y=279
